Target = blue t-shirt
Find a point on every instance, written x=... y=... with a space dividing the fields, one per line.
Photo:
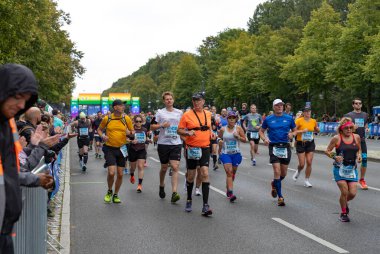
x=223 y=122
x=58 y=122
x=278 y=127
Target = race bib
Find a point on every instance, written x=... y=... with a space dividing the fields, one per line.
x=280 y=152
x=124 y=150
x=83 y=131
x=307 y=136
x=171 y=131
x=96 y=134
x=140 y=137
x=194 y=153
x=254 y=135
x=359 y=122
x=231 y=146
x=347 y=171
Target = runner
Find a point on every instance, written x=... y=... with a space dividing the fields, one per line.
x=230 y=156
x=117 y=126
x=91 y=133
x=347 y=148
x=242 y=114
x=305 y=146
x=169 y=143
x=360 y=120
x=278 y=125
x=83 y=127
x=252 y=124
x=195 y=125
x=137 y=151
x=214 y=142
x=98 y=139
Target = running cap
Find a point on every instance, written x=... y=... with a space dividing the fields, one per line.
x=306 y=109
x=82 y=115
x=198 y=96
x=118 y=102
x=277 y=101
x=231 y=114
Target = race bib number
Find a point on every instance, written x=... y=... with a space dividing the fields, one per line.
x=280 y=152
x=124 y=150
x=171 y=131
x=359 y=122
x=83 y=131
x=140 y=137
x=194 y=153
x=307 y=136
x=96 y=134
x=254 y=135
x=231 y=146
x=347 y=171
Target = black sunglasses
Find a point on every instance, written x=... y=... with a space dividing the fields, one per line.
x=138 y=121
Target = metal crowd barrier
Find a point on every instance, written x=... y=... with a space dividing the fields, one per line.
x=31 y=228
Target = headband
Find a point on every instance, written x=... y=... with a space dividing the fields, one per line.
x=349 y=123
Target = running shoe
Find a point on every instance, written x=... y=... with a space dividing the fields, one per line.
x=81 y=164
x=308 y=184
x=197 y=192
x=116 y=199
x=232 y=198
x=96 y=155
x=188 y=206
x=84 y=167
x=363 y=184
x=99 y=156
x=344 y=217
x=175 y=197
x=274 y=191
x=170 y=171
x=132 y=179
x=108 y=196
x=296 y=175
x=206 y=211
x=139 y=188
x=280 y=202
x=126 y=172
x=215 y=167
x=253 y=162
x=162 y=193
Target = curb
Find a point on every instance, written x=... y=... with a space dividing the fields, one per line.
x=65 y=221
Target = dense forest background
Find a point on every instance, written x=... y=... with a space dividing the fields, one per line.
x=323 y=51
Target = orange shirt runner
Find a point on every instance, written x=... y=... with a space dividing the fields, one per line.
x=190 y=121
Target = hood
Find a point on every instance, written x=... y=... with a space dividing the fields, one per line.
x=18 y=79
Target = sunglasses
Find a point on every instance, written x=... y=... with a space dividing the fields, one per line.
x=138 y=121
x=348 y=128
x=358 y=103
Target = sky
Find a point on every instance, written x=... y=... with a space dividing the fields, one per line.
x=119 y=36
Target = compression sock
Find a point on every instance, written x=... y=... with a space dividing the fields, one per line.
x=189 y=190
x=205 y=191
x=277 y=185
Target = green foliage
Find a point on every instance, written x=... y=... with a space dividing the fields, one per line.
x=32 y=35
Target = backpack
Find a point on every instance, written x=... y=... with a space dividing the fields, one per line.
x=122 y=119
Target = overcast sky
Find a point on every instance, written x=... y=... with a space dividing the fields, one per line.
x=119 y=36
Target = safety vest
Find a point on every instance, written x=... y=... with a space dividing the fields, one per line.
x=18 y=149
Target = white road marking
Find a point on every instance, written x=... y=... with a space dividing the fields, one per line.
x=311 y=236
x=181 y=173
x=373 y=188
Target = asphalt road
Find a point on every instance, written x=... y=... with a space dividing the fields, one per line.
x=143 y=223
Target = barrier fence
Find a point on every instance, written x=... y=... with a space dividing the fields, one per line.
x=331 y=127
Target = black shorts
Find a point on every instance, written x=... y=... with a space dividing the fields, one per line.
x=91 y=134
x=214 y=141
x=83 y=142
x=134 y=155
x=256 y=140
x=274 y=159
x=98 y=139
x=305 y=147
x=113 y=156
x=202 y=162
x=168 y=153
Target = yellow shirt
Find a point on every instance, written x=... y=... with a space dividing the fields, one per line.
x=302 y=124
x=116 y=130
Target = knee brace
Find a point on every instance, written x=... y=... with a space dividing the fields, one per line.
x=364 y=160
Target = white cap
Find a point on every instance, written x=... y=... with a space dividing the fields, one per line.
x=82 y=115
x=277 y=101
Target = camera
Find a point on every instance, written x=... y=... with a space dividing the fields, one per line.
x=204 y=128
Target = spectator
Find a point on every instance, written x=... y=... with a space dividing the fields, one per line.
x=32 y=119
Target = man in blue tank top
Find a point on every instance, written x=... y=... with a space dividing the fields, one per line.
x=281 y=128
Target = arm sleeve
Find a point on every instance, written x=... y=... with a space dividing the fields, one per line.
x=58 y=147
x=28 y=179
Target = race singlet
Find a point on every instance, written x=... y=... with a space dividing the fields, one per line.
x=308 y=136
x=140 y=137
x=347 y=171
x=280 y=152
x=124 y=150
x=231 y=146
x=83 y=131
x=194 y=153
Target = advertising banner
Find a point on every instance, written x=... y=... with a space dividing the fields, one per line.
x=74 y=107
x=89 y=98
x=121 y=96
x=105 y=105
